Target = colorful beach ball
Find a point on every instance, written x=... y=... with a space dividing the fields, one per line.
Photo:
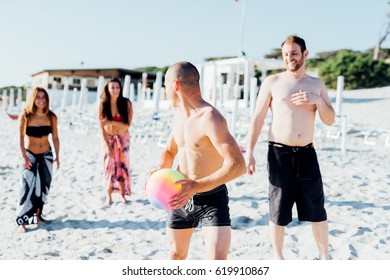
x=160 y=187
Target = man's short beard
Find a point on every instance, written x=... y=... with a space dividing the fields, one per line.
x=296 y=67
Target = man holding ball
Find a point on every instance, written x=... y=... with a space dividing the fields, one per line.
x=208 y=157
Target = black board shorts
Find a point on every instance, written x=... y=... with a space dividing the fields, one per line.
x=294 y=177
x=210 y=209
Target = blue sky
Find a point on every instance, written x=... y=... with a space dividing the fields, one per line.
x=51 y=34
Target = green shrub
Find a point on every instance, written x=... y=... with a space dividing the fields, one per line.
x=360 y=70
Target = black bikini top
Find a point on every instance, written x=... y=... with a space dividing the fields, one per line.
x=38 y=131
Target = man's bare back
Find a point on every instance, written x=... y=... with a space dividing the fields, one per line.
x=208 y=156
x=198 y=157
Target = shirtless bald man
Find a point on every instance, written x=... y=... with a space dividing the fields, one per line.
x=208 y=157
x=294 y=175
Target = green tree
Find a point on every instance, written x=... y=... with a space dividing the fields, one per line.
x=153 y=69
x=276 y=53
x=360 y=70
x=321 y=57
x=218 y=58
x=15 y=88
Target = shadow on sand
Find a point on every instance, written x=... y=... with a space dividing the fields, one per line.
x=57 y=224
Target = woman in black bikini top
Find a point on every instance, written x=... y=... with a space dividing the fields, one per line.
x=38 y=131
x=35 y=124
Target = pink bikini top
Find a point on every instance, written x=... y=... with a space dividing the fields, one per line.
x=117 y=118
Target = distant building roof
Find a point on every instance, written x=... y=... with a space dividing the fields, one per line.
x=267 y=63
x=96 y=72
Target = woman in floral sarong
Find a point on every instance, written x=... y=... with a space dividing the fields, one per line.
x=115 y=116
x=35 y=124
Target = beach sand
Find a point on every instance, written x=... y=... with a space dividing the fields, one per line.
x=356 y=185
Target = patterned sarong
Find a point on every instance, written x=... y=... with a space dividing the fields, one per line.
x=117 y=167
x=35 y=186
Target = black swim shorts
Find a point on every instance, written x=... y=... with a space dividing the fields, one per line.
x=210 y=209
x=294 y=177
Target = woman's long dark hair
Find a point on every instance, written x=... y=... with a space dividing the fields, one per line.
x=122 y=102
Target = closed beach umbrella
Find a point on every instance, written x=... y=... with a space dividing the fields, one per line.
x=11 y=98
x=74 y=99
x=132 y=93
x=65 y=93
x=339 y=95
x=4 y=99
x=214 y=84
x=19 y=98
x=156 y=93
x=139 y=92
x=28 y=95
x=126 y=86
x=83 y=95
x=253 y=95
x=99 y=91
x=52 y=95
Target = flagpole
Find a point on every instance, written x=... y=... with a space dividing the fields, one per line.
x=240 y=54
x=243 y=16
